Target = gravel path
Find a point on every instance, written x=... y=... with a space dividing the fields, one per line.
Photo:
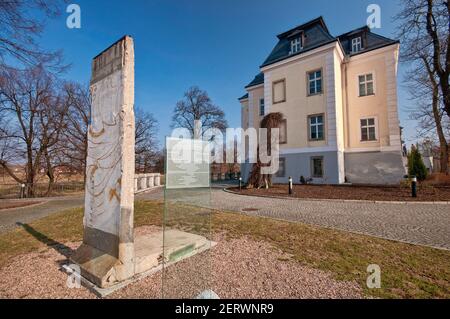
x=240 y=268
x=421 y=224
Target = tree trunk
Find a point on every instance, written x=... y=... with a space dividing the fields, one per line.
x=444 y=159
x=50 y=174
x=29 y=187
x=256 y=179
x=51 y=183
x=443 y=72
x=443 y=145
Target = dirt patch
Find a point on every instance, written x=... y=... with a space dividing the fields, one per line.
x=239 y=268
x=438 y=179
x=375 y=193
x=17 y=204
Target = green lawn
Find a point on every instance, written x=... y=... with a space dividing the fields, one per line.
x=408 y=271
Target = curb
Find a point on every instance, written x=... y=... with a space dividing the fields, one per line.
x=23 y=207
x=341 y=200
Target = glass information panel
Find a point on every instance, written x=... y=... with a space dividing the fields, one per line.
x=187 y=219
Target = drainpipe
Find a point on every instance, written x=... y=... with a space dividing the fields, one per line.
x=346 y=128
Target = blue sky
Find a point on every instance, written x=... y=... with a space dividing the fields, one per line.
x=217 y=45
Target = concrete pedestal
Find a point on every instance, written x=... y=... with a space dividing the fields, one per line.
x=148 y=259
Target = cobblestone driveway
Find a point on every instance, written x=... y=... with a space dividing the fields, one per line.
x=424 y=224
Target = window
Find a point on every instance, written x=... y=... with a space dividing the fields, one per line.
x=356 y=44
x=368 y=130
x=366 y=85
x=282 y=167
x=316 y=132
x=279 y=91
x=315 y=82
x=283 y=132
x=261 y=107
x=296 y=45
x=317 y=167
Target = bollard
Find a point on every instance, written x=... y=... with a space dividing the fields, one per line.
x=414 y=187
x=22 y=191
x=290 y=185
x=240 y=183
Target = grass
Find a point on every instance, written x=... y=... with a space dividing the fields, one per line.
x=407 y=271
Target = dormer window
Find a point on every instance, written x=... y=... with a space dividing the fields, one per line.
x=296 y=45
x=356 y=44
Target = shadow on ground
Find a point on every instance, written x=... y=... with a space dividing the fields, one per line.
x=51 y=243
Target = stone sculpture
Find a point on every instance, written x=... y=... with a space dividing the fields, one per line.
x=107 y=252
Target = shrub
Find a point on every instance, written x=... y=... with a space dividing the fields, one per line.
x=416 y=167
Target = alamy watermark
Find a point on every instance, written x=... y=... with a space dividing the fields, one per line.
x=254 y=146
x=374 y=279
x=73 y=21
x=374 y=19
x=74 y=277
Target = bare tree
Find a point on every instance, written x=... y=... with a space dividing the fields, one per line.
x=425 y=32
x=197 y=106
x=74 y=139
x=8 y=153
x=21 y=22
x=52 y=124
x=160 y=161
x=146 y=148
x=256 y=178
x=429 y=114
x=24 y=96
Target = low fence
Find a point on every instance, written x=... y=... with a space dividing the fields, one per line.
x=142 y=183
x=224 y=176
x=145 y=182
